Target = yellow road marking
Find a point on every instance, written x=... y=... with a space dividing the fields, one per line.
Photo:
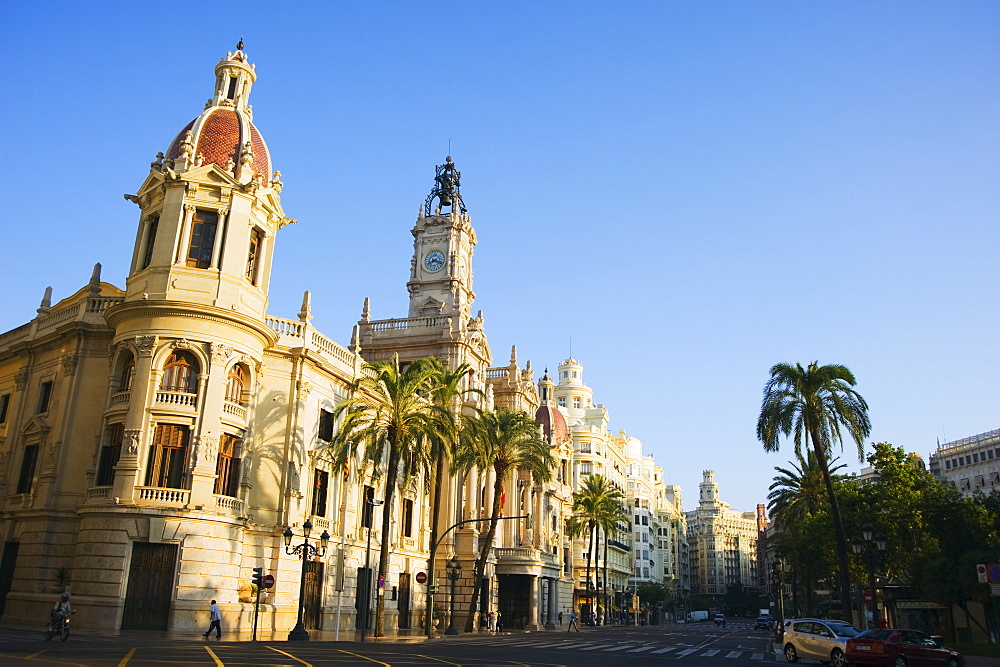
x=34 y=655
x=358 y=655
x=128 y=656
x=438 y=659
x=214 y=657
x=290 y=656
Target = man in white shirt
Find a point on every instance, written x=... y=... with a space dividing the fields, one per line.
x=216 y=618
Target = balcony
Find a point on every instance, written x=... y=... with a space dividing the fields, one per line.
x=229 y=505
x=153 y=495
x=235 y=409
x=177 y=399
x=120 y=398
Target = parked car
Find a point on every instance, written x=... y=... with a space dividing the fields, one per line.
x=900 y=648
x=762 y=623
x=818 y=639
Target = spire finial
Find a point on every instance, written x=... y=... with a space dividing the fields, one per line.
x=305 y=313
x=95 y=280
x=239 y=45
x=46 y=305
x=513 y=355
x=366 y=310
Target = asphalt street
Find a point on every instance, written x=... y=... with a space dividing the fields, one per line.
x=702 y=643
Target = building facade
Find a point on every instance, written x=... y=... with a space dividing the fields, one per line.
x=722 y=543
x=156 y=440
x=972 y=464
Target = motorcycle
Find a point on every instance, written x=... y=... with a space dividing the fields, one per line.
x=59 y=627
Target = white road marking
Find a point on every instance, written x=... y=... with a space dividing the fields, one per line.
x=641 y=648
x=734 y=654
x=757 y=656
x=709 y=654
x=665 y=650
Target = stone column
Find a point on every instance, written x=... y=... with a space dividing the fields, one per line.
x=533 y=604
x=551 y=623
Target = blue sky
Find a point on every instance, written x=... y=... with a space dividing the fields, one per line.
x=689 y=191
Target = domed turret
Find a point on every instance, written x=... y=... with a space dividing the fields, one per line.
x=223 y=133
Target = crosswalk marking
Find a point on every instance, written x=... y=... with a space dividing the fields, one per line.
x=665 y=650
x=619 y=648
x=592 y=648
x=734 y=654
x=757 y=656
x=641 y=648
x=709 y=654
x=687 y=651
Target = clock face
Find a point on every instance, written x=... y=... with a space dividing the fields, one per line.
x=434 y=260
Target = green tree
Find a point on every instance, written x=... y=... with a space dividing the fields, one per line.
x=592 y=506
x=813 y=405
x=391 y=417
x=506 y=441
x=614 y=514
x=449 y=395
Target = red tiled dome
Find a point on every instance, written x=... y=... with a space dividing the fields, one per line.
x=219 y=134
x=552 y=422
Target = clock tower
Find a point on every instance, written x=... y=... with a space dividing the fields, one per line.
x=443 y=240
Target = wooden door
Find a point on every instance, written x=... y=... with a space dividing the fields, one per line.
x=150 y=586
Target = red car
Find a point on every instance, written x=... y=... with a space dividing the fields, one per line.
x=900 y=648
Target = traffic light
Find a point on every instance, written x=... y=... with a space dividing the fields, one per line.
x=258 y=577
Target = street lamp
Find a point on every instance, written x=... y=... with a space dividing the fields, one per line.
x=305 y=551
x=779 y=593
x=454 y=569
x=372 y=504
x=870 y=551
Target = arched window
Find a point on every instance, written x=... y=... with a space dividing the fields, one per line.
x=180 y=373
x=125 y=377
x=235 y=383
x=227 y=466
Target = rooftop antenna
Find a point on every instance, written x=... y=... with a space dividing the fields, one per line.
x=570 y=347
x=449 y=147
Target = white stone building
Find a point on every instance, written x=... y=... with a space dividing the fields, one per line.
x=972 y=464
x=722 y=543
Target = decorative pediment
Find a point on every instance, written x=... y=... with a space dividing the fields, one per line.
x=36 y=428
x=430 y=306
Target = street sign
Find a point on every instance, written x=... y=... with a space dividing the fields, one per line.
x=381 y=582
x=993 y=573
x=268 y=581
x=421 y=577
x=868 y=596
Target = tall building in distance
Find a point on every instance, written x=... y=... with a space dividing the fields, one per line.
x=722 y=543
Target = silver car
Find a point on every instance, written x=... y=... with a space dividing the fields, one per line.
x=817 y=639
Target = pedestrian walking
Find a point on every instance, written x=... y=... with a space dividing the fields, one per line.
x=216 y=624
x=499 y=622
x=493 y=621
x=572 y=622
x=560 y=619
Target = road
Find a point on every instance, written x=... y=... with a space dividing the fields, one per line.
x=701 y=643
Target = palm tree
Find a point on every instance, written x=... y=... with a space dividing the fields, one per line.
x=391 y=415
x=505 y=440
x=797 y=494
x=614 y=513
x=813 y=405
x=448 y=395
x=592 y=505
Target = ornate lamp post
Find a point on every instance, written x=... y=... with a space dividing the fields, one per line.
x=870 y=551
x=305 y=551
x=372 y=504
x=454 y=572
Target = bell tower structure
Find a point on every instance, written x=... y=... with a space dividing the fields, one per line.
x=443 y=241
x=440 y=322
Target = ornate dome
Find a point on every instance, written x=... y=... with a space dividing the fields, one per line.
x=224 y=134
x=219 y=134
x=552 y=422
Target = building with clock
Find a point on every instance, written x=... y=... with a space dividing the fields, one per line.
x=156 y=439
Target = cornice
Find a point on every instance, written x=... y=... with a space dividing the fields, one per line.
x=137 y=309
